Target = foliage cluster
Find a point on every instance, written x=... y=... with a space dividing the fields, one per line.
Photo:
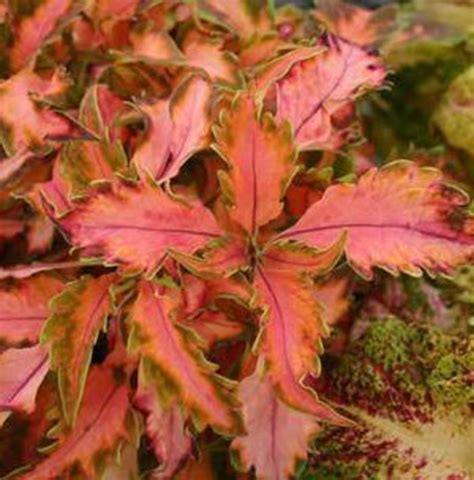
x=214 y=263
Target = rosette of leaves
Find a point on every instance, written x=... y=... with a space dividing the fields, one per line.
x=172 y=190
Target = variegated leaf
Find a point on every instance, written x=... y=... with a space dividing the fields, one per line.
x=105 y=424
x=261 y=163
x=24 y=308
x=21 y=372
x=173 y=364
x=401 y=218
x=135 y=226
x=77 y=316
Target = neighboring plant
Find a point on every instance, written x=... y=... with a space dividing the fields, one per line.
x=188 y=205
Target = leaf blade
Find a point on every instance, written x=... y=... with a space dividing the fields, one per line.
x=401 y=218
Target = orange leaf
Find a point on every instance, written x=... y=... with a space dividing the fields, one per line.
x=277 y=435
x=24 y=308
x=173 y=363
x=401 y=218
x=261 y=163
x=135 y=226
x=104 y=425
x=77 y=316
x=241 y=16
x=21 y=372
x=37 y=123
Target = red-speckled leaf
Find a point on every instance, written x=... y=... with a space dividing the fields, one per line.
x=77 y=316
x=315 y=89
x=277 y=435
x=21 y=372
x=293 y=329
x=24 y=308
x=166 y=431
x=173 y=364
x=135 y=226
x=177 y=129
x=34 y=29
x=261 y=163
x=37 y=123
x=104 y=425
x=402 y=218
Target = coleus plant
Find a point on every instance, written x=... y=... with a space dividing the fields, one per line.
x=160 y=164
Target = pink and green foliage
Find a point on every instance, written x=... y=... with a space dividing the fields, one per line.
x=193 y=207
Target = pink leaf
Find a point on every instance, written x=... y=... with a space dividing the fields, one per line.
x=104 y=425
x=34 y=29
x=401 y=218
x=166 y=430
x=277 y=435
x=293 y=329
x=178 y=128
x=10 y=227
x=135 y=226
x=37 y=123
x=21 y=374
x=315 y=89
x=173 y=363
x=25 y=271
x=78 y=314
x=261 y=163
x=24 y=308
